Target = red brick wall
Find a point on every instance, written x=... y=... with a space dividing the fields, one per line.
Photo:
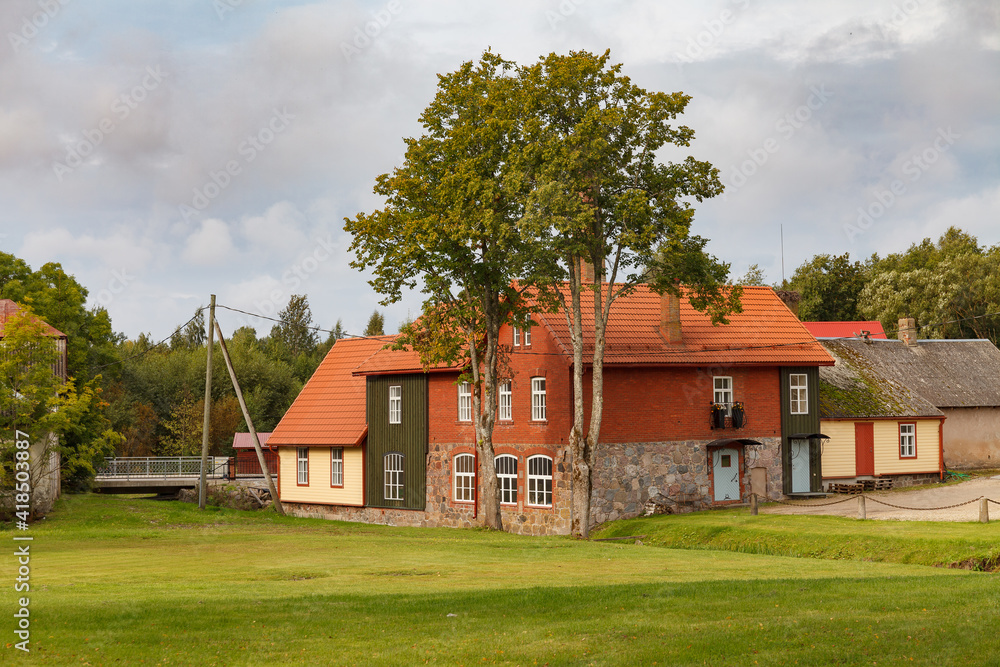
x=640 y=404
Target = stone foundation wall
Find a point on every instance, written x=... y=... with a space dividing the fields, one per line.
x=625 y=477
x=677 y=474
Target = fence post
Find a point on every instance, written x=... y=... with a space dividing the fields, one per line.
x=862 y=514
x=753 y=504
x=984 y=510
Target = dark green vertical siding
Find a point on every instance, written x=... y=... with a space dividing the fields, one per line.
x=409 y=438
x=808 y=423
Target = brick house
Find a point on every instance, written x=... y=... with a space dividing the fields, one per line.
x=695 y=415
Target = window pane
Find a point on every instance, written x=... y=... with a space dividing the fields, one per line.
x=504 y=406
x=465 y=402
x=538 y=399
x=465 y=477
x=507 y=478
x=393 y=476
x=395 y=404
x=540 y=481
x=337 y=466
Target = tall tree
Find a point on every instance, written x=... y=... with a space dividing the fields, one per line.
x=451 y=219
x=376 y=324
x=830 y=286
x=601 y=195
x=951 y=287
x=295 y=333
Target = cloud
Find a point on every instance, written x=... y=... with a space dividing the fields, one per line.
x=210 y=244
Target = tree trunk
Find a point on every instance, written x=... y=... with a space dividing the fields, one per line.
x=484 y=417
x=581 y=487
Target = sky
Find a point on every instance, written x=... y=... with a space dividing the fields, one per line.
x=165 y=151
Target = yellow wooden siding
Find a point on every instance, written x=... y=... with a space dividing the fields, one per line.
x=319 y=489
x=887 y=461
x=838 y=451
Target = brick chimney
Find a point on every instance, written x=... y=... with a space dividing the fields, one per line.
x=670 y=318
x=586 y=271
x=907 y=331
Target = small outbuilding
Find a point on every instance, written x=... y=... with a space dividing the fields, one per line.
x=246 y=462
x=877 y=426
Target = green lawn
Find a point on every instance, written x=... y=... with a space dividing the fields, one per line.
x=133 y=581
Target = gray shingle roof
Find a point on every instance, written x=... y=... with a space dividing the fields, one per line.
x=856 y=387
x=947 y=373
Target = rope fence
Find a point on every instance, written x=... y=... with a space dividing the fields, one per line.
x=862 y=497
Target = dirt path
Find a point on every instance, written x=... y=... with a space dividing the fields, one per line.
x=917 y=497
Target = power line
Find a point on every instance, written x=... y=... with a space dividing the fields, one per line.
x=341 y=333
x=154 y=345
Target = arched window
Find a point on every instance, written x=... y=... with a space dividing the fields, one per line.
x=507 y=478
x=465 y=478
x=393 y=476
x=540 y=481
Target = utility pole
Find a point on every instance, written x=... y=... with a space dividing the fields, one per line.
x=202 y=495
x=246 y=416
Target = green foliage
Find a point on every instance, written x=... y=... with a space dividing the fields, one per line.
x=830 y=286
x=753 y=276
x=951 y=287
x=376 y=325
x=295 y=334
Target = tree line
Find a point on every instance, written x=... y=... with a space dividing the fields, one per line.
x=951 y=286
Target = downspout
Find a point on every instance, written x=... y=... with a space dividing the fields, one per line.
x=941 y=449
x=475 y=485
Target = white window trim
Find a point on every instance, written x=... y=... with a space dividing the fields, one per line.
x=538 y=407
x=726 y=392
x=911 y=441
x=517 y=337
x=465 y=402
x=392 y=477
x=336 y=466
x=534 y=480
x=302 y=465
x=464 y=492
x=505 y=408
x=527 y=337
x=507 y=481
x=798 y=394
x=395 y=404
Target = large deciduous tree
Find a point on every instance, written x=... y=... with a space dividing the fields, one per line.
x=451 y=219
x=830 y=286
x=601 y=193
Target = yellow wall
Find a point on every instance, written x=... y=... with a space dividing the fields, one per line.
x=319 y=489
x=838 y=451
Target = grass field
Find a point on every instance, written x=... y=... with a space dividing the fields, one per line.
x=123 y=581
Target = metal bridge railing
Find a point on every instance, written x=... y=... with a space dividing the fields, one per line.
x=161 y=467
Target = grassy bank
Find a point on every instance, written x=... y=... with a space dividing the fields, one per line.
x=132 y=581
x=947 y=544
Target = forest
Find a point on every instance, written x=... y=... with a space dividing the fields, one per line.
x=145 y=396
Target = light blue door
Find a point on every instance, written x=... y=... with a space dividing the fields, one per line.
x=800 y=465
x=726 y=474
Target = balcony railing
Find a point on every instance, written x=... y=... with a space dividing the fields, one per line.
x=728 y=415
x=162 y=467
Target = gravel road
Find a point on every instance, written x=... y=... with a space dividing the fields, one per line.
x=931 y=496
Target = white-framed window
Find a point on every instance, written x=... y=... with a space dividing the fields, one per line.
x=723 y=391
x=393 y=466
x=465 y=478
x=302 y=465
x=540 y=481
x=395 y=404
x=517 y=337
x=798 y=393
x=538 y=399
x=465 y=402
x=907 y=440
x=507 y=478
x=504 y=411
x=527 y=337
x=336 y=466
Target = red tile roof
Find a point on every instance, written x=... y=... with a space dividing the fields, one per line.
x=765 y=333
x=9 y=308
x=845 y=329
x=395 y=362
x=330 y=409
x=244 y=441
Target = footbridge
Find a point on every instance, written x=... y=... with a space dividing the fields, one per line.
x=157 y=474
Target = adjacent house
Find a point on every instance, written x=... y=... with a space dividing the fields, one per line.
x=246 y=463
x=862 y=329
x=45 y=459
x=695 y=415
x=878 y=426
